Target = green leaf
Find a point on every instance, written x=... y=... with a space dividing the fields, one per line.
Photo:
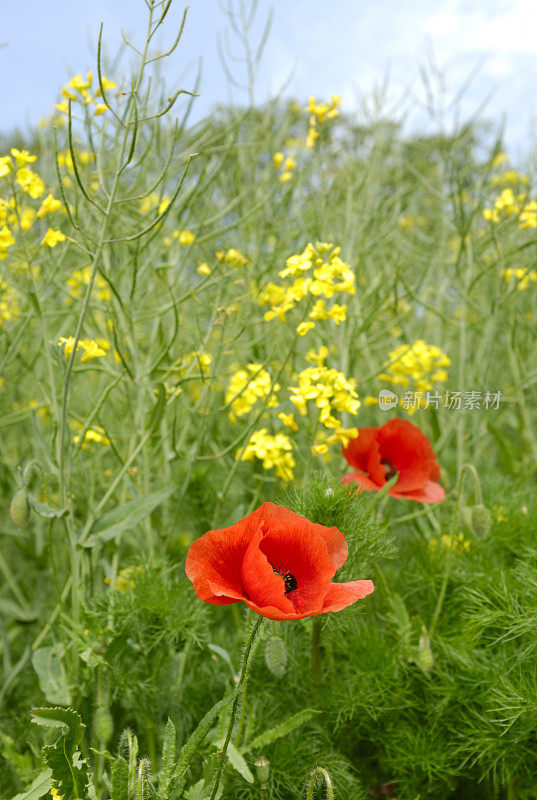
x=120 y=780
x=11 y=609
x=196 y=738
x=283 y=729
x=236 y=760
x=48 y=664
x=125 y=517
x=39 y=787
x=46 y=511
x=69 y=772
x=168 y=757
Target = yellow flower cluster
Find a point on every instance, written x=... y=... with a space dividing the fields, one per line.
x=247 y=386
x=507 y=205
x=319 y=113
x=92 y=348
x=9 y=306
x=500 y=513
x=286 y=165
x=509 y=178
x=456 y=543
x=420 y=363
x=317 y=271
x=96 y=435
x=65 y=158
x=329 y=390
x=78 y=89
x=520 y=277
x=340 y=436
x=80 y=278
x=124 y=581
x=152 y=201
x=13 y=214
x=272 y=451
x=52 y=237
x=231 y=258
x=6 y=240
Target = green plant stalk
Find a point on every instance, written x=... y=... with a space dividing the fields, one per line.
x=449 y=559
x=316 y=659
x=63 y=427
x=242 y=681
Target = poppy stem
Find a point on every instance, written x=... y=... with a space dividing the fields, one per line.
x=316 y=659
x=243 y=677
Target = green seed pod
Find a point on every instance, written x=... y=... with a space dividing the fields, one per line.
x=425 y=657
x=262 y=770
x=103 y=724
x=276 y=656
x=19 y=509
x=481 y=520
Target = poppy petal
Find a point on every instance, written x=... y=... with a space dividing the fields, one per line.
x=213 y=563
x=291 y=545
x=364 y=481
x=430 y=493
x=357 y=451
x=263 y=586
x=409 y=452
x=342 y=595
x=335 y=542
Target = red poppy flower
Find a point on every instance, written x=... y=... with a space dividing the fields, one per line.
x=279 y=563
x=398 y=446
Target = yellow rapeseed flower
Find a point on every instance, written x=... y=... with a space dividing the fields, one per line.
x=247 y=386
x=81 y=277
x=22 y=157
x=6 y=166
x=30 y=182
x=419 y=363
x=520 y=277
x=273 y=451
x=90 y=348
x=231 y=257
x=94 y=435
x=186 y=237
x=6 y=240
x=329 y=390
x=52 y=237
x=48 y=206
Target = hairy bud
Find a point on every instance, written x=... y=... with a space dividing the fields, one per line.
x=19 y=509
x=480 y=520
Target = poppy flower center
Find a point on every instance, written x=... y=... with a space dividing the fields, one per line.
x=288 y=579
x=389 y=470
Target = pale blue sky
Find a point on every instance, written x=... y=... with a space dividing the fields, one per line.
x=348 y=47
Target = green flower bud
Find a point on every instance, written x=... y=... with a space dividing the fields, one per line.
x=103 y=724
x=480 y=520
x=262 y=770
x=19 y=509
x=276 y=656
